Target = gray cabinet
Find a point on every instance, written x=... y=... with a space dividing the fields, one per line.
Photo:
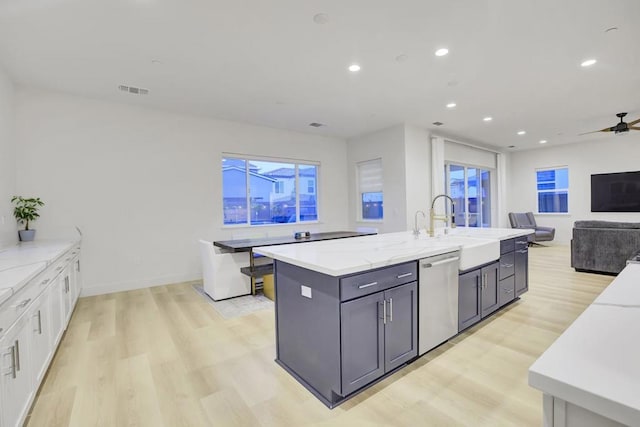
x=469 y=310
x=338 y=334
x=490 y=299
x=521 y=261
x=379 y=334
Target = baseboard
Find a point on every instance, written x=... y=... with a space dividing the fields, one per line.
x=131 y=285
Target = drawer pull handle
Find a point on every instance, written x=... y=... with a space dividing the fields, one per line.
x=523 y=251
x=508 y=291
x=506 y=265
x=17 y=356
x=22 y=304
x=402 y=276
x=367 y=285
x=59 y=268
x=521 y=242
x=390 y=309
x=12 y=369
x=44 y=282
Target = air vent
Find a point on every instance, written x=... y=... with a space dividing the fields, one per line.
x=133 y=90
x=438 y=123
x=316 y=125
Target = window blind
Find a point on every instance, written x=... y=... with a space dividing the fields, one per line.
x=370 y=176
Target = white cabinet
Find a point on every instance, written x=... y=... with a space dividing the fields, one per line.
x=16 y=385
x=32 y=323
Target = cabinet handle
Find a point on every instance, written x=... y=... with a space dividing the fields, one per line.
x=402 y=276
x=59 y=268
x=367 y=285
x=484 y=281
x=522 y=242
x=384 y=311
x=12 y=369
x=506 y=265
x=22 y=304
x=39 y=322
x=67 y=259
x=17 y=356
x=523 y=251
x=508 y=291
x=390 y=309
x=78 y=265
x=44 y=282
x=66 y=284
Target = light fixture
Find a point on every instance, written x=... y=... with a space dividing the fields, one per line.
x=354 y=68
x=488 y=119
x=451 y=105
x=543 y=141
x=521 y=132
x=588 y=62
x=321 y=18
x=442 y=52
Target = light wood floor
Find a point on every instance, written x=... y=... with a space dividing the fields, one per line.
x=164 y=357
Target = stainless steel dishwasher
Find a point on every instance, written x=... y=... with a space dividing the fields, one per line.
x=438 y=300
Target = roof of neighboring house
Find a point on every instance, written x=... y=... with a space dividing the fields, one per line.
x=242 y=170
x=290 y=172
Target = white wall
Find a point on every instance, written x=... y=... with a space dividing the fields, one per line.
x=388 y=145
x=144 y=185
x=614 y=154
x=417 y=175
x=8 y=226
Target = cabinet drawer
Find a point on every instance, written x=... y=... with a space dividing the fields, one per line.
x=507 y=263
x=507 y=246
x=521 y=243
x=506 y=290
x=15 y=306
x=377 y=280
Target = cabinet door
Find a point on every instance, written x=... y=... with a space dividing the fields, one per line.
x=41 y=345
x=15 y=380
x=362 y=337
x=57 y=313
x=401 y=326
x=67 y=297
x=490 y=297
x=469 y=311
x=522 y=271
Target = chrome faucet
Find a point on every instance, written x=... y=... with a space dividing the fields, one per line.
x=416 y=230
x=433 y=217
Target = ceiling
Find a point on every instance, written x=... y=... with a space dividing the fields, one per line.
x=269 y=63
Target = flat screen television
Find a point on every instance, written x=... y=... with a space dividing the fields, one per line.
x=615 y=192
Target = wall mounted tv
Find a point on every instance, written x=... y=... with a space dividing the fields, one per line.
x=615 y=192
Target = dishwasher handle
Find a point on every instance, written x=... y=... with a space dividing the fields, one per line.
x=444 y=261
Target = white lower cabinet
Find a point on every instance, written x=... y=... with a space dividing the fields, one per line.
x=16 y=383
x=32 y=323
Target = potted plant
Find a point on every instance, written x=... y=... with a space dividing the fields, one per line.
x=26 y=210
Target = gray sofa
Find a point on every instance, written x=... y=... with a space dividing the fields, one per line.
x=603 y=246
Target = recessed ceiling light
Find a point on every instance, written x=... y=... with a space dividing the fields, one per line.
x=512 y=146
x=442 y=52
x=321 y=18
x=451 y=105
x=316 y=124
x=438 y=123
x=354 y=68
x=588 y=62
x=543 y=141
x=488 y=119
x=521 y=132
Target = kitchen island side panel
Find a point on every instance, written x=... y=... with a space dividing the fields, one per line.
x=308 y=326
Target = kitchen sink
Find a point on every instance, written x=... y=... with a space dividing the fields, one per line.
x=474 y=251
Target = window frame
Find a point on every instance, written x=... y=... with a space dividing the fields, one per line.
x=296 y=162
x=567 y=189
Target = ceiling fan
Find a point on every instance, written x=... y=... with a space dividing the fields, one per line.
x=621 y=127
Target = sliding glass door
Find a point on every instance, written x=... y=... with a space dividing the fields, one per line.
x=470 y=188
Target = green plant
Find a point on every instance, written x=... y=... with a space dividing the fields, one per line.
x=26 y=209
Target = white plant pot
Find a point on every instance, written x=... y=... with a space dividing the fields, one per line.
x=26 y=235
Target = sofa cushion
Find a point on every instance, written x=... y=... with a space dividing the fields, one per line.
x=607 y=224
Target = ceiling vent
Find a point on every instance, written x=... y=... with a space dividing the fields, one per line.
x=316 y=125
x=438 y=123
x=133 y=90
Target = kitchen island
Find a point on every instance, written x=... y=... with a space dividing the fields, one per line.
x=590 y=375
x=347 y=311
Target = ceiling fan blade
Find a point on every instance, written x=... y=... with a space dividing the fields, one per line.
x=633 y=122
x=634 y=127
x=596 y=131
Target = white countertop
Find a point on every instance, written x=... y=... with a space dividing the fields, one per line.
x=595 y=363
x=21 y=263
x=346 y=256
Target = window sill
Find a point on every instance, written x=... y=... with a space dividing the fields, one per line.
x=371 y=221
x=553 y=213
x=283 y=224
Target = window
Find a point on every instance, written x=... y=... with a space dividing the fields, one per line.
x=470 y=188
x=553 y=190
x=370 y=189
x=259 y=192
